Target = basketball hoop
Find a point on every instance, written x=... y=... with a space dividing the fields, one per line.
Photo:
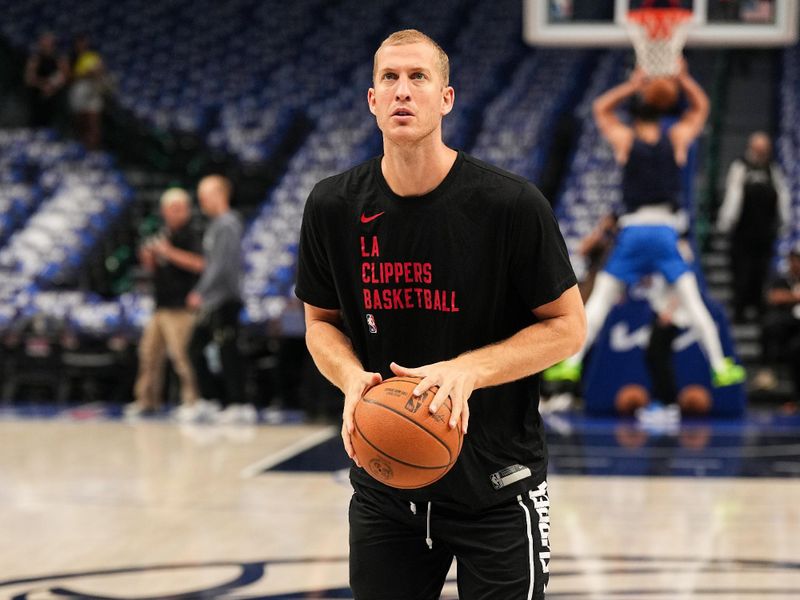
x=658 y=36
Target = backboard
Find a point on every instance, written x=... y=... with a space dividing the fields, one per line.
x=728 y=23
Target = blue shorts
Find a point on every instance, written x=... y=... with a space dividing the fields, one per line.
x=645 y=249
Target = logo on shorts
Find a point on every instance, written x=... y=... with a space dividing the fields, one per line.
x=381 y=469
x=373 y=328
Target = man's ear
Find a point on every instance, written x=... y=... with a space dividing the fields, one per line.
x=371 y=100
x=448 y=98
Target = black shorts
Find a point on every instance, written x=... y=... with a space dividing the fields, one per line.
x=502 y=553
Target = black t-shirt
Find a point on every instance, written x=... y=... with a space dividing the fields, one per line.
x=424 y=279
x=172 y=283
x=758 y=219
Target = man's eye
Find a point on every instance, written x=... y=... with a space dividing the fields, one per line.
x=389 y=76
x=418 y=76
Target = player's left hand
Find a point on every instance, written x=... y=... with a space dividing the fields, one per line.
x=453 y=378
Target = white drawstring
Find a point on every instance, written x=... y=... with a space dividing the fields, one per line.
x=428 y=538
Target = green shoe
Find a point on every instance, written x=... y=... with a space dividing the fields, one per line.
x=729 y=374
x=563 y=371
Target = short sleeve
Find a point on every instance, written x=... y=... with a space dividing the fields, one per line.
x=314 y=278
x=540 y=267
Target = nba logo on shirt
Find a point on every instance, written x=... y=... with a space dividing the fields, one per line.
x=371 y=324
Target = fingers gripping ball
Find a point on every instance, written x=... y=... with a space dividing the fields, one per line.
x=661 y=93
x=397 y=439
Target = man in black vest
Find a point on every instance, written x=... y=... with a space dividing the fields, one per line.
x=755 y=207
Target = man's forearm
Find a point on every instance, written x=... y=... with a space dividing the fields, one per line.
x=529 y=351
x=698 y=100
x=610 y=99
x=332 y=352
x=188 y=261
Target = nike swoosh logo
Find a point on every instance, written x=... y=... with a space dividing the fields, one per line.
x=366 y=219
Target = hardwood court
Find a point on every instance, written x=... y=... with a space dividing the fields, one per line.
x=108 y=509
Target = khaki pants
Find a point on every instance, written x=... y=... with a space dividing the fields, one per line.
x=166 y=335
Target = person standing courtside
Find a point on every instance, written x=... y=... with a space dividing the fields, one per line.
x=217 y=298
x=756 y=207
x=174 y=259
x=429 y=258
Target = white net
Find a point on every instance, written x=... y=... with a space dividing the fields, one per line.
x=659 y=36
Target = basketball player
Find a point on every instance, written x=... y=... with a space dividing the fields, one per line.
x=651 y=160
x=428 y=258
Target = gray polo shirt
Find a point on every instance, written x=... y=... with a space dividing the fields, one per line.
x=222 y=276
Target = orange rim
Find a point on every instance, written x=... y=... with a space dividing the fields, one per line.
x=659 y=22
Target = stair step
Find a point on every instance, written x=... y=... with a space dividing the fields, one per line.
x=719 y=277
x=721 y=294
x=720 y=243
x=749 y=351
x=714 y=260
x=745 y=331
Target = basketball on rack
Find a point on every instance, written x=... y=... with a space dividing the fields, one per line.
x=397 y=439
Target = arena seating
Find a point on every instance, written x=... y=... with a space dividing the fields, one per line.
x=787 y=144
x=62 y=201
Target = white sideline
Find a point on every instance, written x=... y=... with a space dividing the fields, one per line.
x=288 y=452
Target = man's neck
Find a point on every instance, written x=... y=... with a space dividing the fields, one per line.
x=415 y=171
x=649 y=131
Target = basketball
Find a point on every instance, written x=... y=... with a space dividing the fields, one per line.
x=661 y=93
x=630 y=397
x=397 y=439
x=695 y=399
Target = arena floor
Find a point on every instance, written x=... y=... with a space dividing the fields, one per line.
x=95 y=507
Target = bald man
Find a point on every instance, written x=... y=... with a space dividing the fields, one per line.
x=755 y=208
x=217 y=298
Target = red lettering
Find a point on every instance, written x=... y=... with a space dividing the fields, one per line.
x=453 y=302
x=398 y=272
x=365 y=268
x=376 y=299
x=407 y=299
x=417 y=272
x=426 y=273
x=428 y=302
x=388 y=271
x=437 y=300
x=387 y=299
x=373 y=250
x=397 y=302
x=367 y=299
x=407 y=272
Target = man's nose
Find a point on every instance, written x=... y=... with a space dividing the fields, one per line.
x=403 y=90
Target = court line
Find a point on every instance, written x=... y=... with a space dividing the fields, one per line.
x=289 y=451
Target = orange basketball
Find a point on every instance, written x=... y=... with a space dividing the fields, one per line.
x=630 y=397
x=695 y=399
x=661 y=93
x=396 y=438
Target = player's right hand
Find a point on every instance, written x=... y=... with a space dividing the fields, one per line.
x=353 y=392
